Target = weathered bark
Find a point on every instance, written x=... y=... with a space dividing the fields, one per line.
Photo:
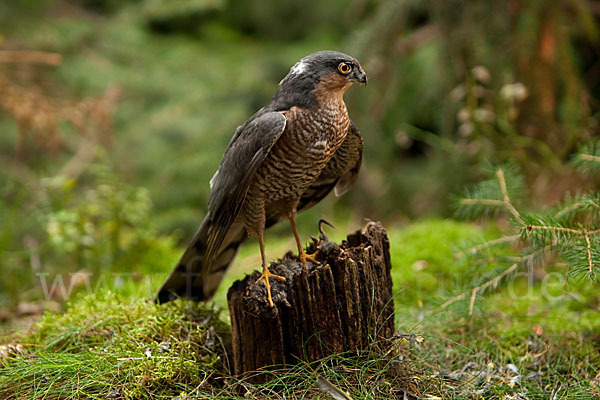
x=343 y=304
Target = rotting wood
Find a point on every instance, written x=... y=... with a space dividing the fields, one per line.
x=343 y=304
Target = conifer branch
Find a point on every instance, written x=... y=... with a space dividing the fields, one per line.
x=572 y=207
x=451 y=301
x=485 y=202
x=506 y=198
x=589 y=254
x=552 y=228
x=494 y=281
x=490 y=243
x=589 y=157
x=484 y=196
x=579 y=232
x=495 y=260
x=572 y=231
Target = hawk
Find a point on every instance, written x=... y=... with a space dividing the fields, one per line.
x=286 y=158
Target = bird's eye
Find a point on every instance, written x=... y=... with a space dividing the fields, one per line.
x=344 y=68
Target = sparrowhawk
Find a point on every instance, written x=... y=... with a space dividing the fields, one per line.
x=287 y=157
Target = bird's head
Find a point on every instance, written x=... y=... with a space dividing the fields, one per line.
x=322 y=75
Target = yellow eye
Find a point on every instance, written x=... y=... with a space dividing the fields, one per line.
x=344 y=68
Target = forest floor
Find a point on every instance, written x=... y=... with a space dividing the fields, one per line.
x=535 y=336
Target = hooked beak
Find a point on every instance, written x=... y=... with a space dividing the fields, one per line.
x=360 y=76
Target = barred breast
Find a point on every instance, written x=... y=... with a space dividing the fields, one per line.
x=309 y=141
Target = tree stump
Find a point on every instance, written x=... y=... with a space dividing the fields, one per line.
x=343 y=304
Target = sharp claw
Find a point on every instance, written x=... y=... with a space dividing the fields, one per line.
x=266 y=274
x=304 y=258
x=323 y=235
x=315 y=243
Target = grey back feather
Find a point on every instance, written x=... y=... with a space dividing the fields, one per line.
x=245 y=153
x=215 y=244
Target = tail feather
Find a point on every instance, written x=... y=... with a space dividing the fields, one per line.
x=197 y=275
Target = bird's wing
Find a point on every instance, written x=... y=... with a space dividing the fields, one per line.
x=245 y=153
x=212 y=249
x=339 y=173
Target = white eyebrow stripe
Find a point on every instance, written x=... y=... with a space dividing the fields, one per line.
x=299 y=68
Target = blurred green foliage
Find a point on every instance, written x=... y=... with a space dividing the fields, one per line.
x=113 y=146
x=106 y=222
x=80 y=232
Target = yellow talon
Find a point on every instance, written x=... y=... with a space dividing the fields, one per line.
x=266 y=274
x=304 y=257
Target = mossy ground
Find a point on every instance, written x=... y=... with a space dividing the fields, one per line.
x=525 y=340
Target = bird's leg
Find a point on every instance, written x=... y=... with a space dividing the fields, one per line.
x=266 y=274
x=304 y=258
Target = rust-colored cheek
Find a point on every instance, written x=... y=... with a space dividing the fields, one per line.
x=331 y=86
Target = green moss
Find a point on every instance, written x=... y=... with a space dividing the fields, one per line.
x=105 y=343
x=424 y=262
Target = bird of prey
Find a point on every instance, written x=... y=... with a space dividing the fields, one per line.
x=286 y=158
